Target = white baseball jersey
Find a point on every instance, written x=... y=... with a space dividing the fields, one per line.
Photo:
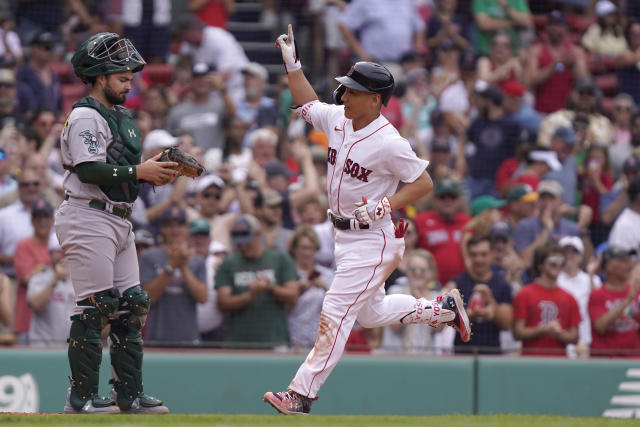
x=369 y=162
x=85 y=138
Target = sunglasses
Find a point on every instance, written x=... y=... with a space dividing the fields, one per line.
x=29 y=184
x=216 y=196
x=556 y=260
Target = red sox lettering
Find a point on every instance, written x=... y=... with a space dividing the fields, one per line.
x=356 y=171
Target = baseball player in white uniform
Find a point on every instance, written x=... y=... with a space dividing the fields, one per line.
x=101 y=149
x=367 y=159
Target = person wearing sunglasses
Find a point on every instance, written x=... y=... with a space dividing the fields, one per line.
x=546 y=316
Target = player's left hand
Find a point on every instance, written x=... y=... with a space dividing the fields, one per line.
x=367 y=212
x=287 y=46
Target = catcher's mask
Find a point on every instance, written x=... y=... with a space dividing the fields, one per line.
x=106 y=53
x=367 y=77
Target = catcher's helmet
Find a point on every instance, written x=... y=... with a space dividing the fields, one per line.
x=106 y=53
x=366 y=77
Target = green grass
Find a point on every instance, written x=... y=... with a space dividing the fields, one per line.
x=309 y=421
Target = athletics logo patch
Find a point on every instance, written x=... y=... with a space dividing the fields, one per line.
x=90 y=140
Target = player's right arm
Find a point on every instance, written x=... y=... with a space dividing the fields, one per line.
x=301 y=90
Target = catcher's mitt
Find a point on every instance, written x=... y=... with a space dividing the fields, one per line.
x=187 y=164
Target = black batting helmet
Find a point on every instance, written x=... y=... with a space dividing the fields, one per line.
x=106 y=53
x=366 y=77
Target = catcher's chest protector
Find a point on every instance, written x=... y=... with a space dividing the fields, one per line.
x=125 y=148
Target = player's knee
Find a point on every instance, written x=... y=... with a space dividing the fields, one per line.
x=99 y=307
x=136 y=300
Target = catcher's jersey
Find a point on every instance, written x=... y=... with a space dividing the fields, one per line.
x=369 y=162
x=85 y=138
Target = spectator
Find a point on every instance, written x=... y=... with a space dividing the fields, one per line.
x=625 y=232
x=31 y=257
x=204 y=115
x=146 y=24
x=211 y=321
x=12 y=111
x=614 y=308
x=10 y=44
x=579 y=284
x=417 y=105
x=492 y=136
x=539 y=164
x=487 y=296
x=421 y=282
x=553 y=65
x=174 y=277
x=215 y=47
x=605 y=37
x=314 y=281
x=495 y=15
x=485 y=211
x=623 y=112
x=563 y=143
x=615 y=200
x=144 y=240
x=235 y=153
x=257 y=110
x=155 y=103
x=445 y=23
x=628 y=70
x=440 y=229
x=379 y=38
x=549 y=226
x=263 y=143
x=546 y=316
x=50 y=294
x=596 y=181
x=214 y=13
x=506 y=261
x=7 y=183
x=517 y=109
x=39 y=76
x=521 y=204
x=254 y=284
x=500 y=65
x=269 y=207
x=584 y=104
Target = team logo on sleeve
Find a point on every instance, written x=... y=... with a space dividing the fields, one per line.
x=90 y=140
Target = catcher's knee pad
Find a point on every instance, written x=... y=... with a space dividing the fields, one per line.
x=85 y=345
x=126 y=345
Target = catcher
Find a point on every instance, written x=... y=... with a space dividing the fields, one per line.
x=101 y=152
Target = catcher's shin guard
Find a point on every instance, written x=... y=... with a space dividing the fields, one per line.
x=85 y=348
x=126 y=351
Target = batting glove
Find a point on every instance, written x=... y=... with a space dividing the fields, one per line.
x=287 y=46
x=368 y=212
x=401 y=229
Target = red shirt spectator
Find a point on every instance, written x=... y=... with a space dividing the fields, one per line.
x=546 y=317
x=440 y=230
x=213 y=13
x=614 y=308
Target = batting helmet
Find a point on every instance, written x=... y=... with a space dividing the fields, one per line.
x=366 y=77
x=106 y=53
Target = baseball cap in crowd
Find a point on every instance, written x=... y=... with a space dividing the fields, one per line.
x=174 y=213
x=200 y=69
x=271 y=197
x=41 y=208
x=277 y=169
x=43 y=39
x=566 y=135
x=523 y=193
x=556 y=17
x=631 y=165
x=256 y=70
x=199 y=226
x=604 y=8
x=587 y=85
x=548 y=157
x=7 y=77
x=573 y=241
x=512 y=88
x=549 y=186
x=318 y=153
x=482 y=203
x=143 y=236
x=488 y=91
x=447 y=186
x=244 y=229
x=188 y=21
x=159 y=138
x=500 y=230
x=615 y=251
x=209 y=181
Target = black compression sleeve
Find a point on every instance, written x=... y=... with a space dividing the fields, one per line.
x=100 y=173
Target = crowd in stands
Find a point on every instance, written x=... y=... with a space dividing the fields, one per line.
x=529 y=113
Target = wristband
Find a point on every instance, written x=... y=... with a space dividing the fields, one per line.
x=292 y=67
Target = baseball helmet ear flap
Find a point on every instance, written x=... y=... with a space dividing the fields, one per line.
x=337 y=94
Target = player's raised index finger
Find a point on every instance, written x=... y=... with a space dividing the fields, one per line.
x=290 y=33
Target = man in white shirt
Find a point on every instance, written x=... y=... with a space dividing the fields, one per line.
x=626 y=232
